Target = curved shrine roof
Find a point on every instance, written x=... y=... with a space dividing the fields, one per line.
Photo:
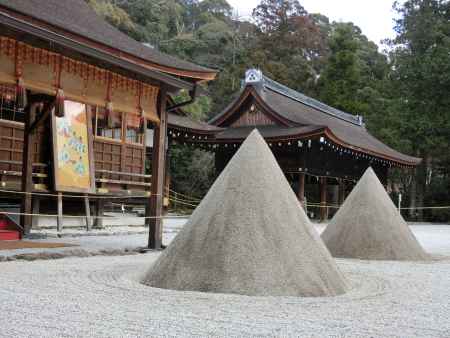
x=77 y=17
x=184 y=122
x=301 y=113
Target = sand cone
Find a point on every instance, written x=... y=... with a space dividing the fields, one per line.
x=249 y=236
x=368 y=226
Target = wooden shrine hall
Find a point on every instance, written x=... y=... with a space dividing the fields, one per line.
x=76 y=97
x=315 y=144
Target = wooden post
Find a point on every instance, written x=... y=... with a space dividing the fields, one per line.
x=155 y=203
x=99 y=210
x=36 y=207
x=323 y=199
x=301 y=189
x=167 y=180
x=175 y=197
x=59 y=219
x=88 y=212
x=334 y=200
x=341 y=198
x=27 y=170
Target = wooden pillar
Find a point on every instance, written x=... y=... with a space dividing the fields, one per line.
x=59 y=219
x=36 y=208
x=27 y=170
x=323 y=199
x=341 y=197
x=167 y=178
x=301 y=190
x=334 y=200
x=88 y=212
x=154 y=208
x=99 y=211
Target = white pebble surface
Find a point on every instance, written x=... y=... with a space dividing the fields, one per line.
x=102 y=297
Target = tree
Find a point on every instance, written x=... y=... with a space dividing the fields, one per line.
x=275 y=16
x=115 y=16
x=290 y=46
x=341 y=78
x=156 y=21
x=421 y=74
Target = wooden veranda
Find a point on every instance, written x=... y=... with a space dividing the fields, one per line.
x=76 y=99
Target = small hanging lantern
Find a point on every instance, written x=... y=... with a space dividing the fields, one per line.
x=59 y=104
x=109 y=111
x=109 y=105
x=60 y=97
x=142 y=124
x=21 y=94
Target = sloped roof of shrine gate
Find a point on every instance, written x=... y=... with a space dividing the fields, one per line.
x=75 y=19
x=179 y=121
x=293 y=111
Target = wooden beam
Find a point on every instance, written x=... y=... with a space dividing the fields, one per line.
x=323 y=199
x=27 y=170
x=154 y=208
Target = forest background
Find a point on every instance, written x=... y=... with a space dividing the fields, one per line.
x=403 y=92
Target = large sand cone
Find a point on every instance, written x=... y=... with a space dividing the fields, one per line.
x=368 y=226
x=249 y=236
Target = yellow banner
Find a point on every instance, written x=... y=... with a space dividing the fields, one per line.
x=72 y=160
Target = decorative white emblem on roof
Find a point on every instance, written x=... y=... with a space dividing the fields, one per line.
x=253 y=76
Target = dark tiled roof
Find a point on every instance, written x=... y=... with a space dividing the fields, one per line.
x=77 y=17
x=268 y=132
x=300 y=110
x=300 y=97
x=185 y=122
x=350 y=133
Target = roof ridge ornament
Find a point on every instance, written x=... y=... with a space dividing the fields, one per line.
x=361 y=120
x=253 y=75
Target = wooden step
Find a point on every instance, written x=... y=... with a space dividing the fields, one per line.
x=9 y=235
x=3 y=224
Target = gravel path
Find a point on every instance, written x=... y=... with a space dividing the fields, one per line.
x=102 y=297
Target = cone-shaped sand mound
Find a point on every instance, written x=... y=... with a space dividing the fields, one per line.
x=368 y=226
x=249 y=236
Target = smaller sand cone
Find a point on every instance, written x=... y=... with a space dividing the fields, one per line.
x=368 y=226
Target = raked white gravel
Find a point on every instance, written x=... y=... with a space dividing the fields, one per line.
x=102 y=297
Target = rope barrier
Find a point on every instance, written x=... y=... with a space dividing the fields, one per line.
x=171 y=198
x=193 y=199
x=184 y=203
x=82 y=217
x=423 y=208
x=318 y=205
x=74 y=196
x=140 y=217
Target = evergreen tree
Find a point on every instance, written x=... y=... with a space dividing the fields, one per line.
x=421 y=74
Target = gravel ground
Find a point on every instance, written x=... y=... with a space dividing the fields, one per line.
x=102 y=297
x=108 y=241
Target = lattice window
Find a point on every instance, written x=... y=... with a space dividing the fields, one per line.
x=8 y=109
